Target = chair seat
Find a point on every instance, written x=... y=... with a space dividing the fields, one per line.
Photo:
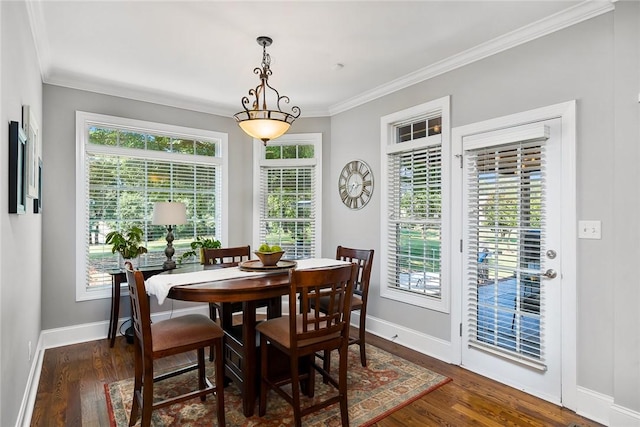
x=278 y=330
x=173 y=336
x=356 y=303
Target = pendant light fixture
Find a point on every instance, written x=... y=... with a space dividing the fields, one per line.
x=261 y=122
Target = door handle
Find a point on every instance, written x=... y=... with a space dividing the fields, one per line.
x=550 y=274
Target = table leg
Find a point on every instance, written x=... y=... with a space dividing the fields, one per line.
x=274 y=308
x=250 y=357
x=241 y=352
x=116 y=280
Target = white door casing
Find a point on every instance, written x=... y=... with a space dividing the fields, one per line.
x=555 y=378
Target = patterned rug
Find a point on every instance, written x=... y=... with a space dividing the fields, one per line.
x=387 y=384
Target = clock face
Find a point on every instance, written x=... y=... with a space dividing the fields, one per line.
x=355 y=184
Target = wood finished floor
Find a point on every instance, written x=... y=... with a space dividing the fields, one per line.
x=71 y=392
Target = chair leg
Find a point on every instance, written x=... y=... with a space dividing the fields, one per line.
x=326 y=365
x=202 y=384
x=310 y=386
x=212 y=315
x=264 y=364
x=147 y=393
x=361 y=335
x=212 y=312
x=220 y=382
x=342 y=385
x=137 y=385
x=295 y=391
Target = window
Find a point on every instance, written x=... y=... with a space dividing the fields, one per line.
x=506 y=209
x=415 y=237
x=287 y=194
x=124 y=166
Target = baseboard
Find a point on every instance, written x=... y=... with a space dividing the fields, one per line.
x=593 y=405
x=623 y=417
x=590 y=404
x=31 y=388
x=601 y=408
x=59 y=337
x=425 y=344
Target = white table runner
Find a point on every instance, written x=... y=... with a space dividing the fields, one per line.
x=160 y=284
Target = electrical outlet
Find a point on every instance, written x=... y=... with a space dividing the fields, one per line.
x=589 y=230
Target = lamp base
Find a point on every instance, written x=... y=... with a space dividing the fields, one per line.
x=169 y=264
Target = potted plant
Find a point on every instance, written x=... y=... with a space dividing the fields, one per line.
x=128 y=243
x=198 y=246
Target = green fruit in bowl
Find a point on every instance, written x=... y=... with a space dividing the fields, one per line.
x=264 y=248
x=276 y=248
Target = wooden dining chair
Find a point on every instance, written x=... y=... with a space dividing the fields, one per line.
x=227 y=257
x=300 y=336
x=165 y=338
x=364 y=259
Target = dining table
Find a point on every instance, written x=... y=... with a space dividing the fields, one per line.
x=229 y=287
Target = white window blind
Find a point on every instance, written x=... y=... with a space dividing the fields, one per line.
x=506 y=212
x=289 y=194
x=127 y=167
x=415 y=220
x=287 y=211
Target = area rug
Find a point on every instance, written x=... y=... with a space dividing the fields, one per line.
x=387 y=384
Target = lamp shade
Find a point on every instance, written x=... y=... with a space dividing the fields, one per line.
x=169 y=213
x=264 y=129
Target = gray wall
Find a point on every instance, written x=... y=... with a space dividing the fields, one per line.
x=624 y=281
x=20 y=243
x=596 y=63
x=60 y=106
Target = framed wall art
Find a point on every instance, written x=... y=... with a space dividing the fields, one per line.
x=31 y=128
x=17 y=164
x=37 y=203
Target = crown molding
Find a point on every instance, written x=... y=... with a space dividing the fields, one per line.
x=571 y=16
x=566 y=18
x=106 y=87
x=153 y=96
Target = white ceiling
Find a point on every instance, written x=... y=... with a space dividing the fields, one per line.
x=201 y=54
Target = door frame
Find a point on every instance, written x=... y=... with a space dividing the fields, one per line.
x=566 y=112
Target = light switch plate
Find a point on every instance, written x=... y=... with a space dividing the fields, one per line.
x=589 y=229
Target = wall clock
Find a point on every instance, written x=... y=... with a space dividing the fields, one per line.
x=355 y=184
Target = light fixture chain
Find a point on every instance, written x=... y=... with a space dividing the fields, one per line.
x=266 y=58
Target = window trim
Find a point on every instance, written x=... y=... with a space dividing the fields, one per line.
x=85 y=119
x=388 y=146
x=259 y=160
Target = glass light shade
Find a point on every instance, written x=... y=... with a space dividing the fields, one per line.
x=169 y=213
x=264 y=129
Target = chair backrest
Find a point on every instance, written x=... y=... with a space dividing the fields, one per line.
x=364 y=259
x=335 y=286
x=227 y=257
x=140 y=311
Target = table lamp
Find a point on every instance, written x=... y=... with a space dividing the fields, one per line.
x=169 y=214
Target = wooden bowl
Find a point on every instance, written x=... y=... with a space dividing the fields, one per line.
x=269 y=258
